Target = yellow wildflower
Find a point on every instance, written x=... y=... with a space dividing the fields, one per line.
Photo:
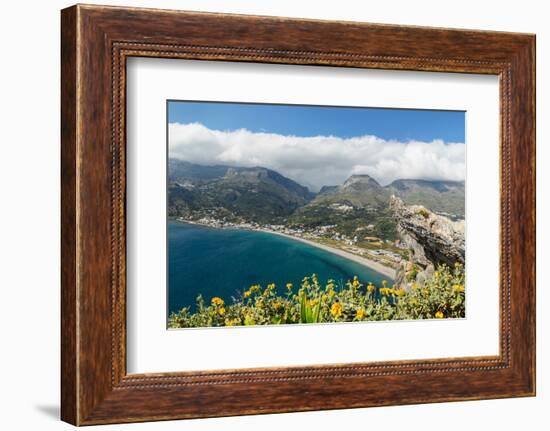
x=400 y=292
x=232 y=322
x=289 y=286
x=360 y=315
x=371 y=287
x=336 y=310
x=217 y=301
x=271 y=286
x=355 y=283
x=439 y=315
x=276 y=305
x=459 y=288
x=247 y=294
x=221 y=311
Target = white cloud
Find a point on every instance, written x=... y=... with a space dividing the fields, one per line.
x=319 y=160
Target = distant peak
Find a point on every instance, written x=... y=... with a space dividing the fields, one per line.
x=360 y=180
x=439 y=185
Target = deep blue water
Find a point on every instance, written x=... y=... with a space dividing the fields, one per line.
x=224 y=262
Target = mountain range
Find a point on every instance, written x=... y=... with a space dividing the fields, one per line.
x=264 y=195
x=257 y=194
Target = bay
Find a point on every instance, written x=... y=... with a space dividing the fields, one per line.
x=224 y=262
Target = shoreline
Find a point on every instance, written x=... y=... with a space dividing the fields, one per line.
x=369 y=263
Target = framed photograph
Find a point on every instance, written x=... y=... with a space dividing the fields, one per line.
x=264 y=215
x=273 y=217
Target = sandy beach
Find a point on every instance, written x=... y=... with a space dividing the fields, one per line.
x=372 y=264
x=376 y=266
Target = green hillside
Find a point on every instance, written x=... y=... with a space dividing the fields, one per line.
x=357 y=208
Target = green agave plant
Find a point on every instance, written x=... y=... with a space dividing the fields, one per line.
x=310 y=310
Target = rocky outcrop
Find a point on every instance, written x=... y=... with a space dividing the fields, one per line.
x=430 y=238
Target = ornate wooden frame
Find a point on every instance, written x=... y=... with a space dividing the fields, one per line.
x=95 y=42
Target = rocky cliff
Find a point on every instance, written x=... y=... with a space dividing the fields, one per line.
x=430 y=238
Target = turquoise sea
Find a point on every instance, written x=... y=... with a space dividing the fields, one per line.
x=224 y=262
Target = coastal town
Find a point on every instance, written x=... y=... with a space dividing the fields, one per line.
x=382 y=255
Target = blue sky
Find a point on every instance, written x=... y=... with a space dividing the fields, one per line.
x=389 y=124
x=318 y=146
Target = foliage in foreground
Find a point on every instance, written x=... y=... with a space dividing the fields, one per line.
x=440 y=297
